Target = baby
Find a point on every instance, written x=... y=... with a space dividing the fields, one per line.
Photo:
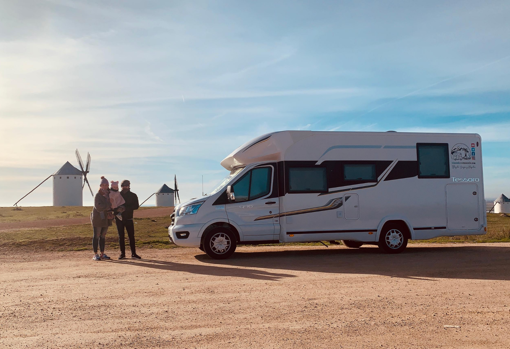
x=117 y=200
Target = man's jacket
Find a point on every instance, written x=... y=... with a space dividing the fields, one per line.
x=131 y=204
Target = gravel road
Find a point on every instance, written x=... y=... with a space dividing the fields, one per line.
x=431 y=296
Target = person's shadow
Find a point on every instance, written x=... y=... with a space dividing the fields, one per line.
x=206 y=269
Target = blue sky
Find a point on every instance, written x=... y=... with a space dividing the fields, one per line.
x=157 y=88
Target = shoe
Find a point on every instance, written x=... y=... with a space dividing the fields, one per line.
x=136 y=256
x=96 y=258
x=122 y=256
x=105 y=257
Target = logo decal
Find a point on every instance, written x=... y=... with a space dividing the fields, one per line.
x=461 y=151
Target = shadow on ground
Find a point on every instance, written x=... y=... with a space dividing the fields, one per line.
x=206 y=269
x=480 y=262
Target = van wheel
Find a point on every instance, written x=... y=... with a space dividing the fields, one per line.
x=393 y=239
x=219 y=243
x=352 y=244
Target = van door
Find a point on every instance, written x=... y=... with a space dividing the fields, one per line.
x=462 y=207
x=255 y=209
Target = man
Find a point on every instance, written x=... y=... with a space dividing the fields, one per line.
x=130 y=205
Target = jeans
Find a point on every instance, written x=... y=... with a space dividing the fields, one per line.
x=130 y=228
x=99 y=237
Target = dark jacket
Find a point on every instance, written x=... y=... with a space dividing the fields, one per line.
x=130 y=205
x=98 y=217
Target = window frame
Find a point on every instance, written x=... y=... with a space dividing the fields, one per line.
x=446 y=147
x=291 y=191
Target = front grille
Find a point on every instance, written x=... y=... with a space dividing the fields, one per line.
x=172 y=217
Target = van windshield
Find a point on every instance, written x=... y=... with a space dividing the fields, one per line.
x=227 y=179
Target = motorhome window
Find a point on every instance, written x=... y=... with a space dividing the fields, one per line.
x=260 y=182
x=433 y=160
x=307 y=179
x=253 y=185
x=360 y=172
x=242 y=188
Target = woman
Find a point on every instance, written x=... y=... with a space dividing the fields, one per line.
x=100 y=219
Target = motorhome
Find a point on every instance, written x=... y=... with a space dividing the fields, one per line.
x=380 y=188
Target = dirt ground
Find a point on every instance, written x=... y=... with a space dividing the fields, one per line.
x=431 y=296
x=153 y=212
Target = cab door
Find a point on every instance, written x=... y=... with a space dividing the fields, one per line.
x=255 y=209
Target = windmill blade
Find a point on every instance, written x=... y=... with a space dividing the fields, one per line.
x=86 y=180
x=176 y=190
x=87 y=167
x=146 y=199
x=80 y=161
x=16 y=204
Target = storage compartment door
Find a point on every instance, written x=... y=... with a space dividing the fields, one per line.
x=351 y=204
x=462 y=207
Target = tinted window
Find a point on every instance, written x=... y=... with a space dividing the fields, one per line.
x=260 y=182
x=242 y=188
x=433 y=160
x=253 y=185
x=359 y=172
x=307 y=179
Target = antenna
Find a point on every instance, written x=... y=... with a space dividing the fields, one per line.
x=202 y=185
x=176 y=190
x=84 y=169
x=16 y=204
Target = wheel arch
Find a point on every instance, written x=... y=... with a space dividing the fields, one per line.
x=395 y=221
x=220 y=225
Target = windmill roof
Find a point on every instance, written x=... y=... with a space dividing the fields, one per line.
x=165 y=189
x=502 y=199
x=68 y=170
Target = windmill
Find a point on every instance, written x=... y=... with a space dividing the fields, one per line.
x=165 y=196
x=84 y=171
x=67 y=184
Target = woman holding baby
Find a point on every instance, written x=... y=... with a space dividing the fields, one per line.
x=101 y=219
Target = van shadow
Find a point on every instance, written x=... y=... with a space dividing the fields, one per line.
x=458 y=262
x=206 y=269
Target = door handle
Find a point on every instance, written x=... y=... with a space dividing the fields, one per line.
x=270 y=202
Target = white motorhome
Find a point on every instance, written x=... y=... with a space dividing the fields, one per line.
x=379 y=188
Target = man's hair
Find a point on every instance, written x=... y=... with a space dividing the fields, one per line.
x=125 y=183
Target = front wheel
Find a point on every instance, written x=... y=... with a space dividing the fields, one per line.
x=219 y=243
x=352 y=244
x=393 y=239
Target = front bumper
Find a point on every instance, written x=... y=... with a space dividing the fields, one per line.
x=186 y=235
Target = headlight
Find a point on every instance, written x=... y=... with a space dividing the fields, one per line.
x=190 y=209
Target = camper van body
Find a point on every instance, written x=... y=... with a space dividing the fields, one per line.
x=306 y=186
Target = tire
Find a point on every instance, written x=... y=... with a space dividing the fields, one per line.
x=393 y=239
x=352 y=244
x=219 y=243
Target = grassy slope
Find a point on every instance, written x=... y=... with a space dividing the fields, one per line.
x=152 y=232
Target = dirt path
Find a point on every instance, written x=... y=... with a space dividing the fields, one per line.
x=150 y=213
x=431 y=296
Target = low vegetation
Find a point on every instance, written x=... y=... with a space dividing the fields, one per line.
x=153 y=233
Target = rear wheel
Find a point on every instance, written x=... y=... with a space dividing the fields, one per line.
x=352 y=244
x=219 y=243
x=393 y=239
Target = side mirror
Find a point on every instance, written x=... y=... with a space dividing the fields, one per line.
x=230 y=194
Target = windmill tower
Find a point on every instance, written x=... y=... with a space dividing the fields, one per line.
x=502 y=204
x=165 y=196
x=67 y=184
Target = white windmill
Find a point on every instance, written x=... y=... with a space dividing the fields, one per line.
x=67 y=184
x=502 y=204
x=166 y=196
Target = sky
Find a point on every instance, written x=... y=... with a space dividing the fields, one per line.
x=153 y=89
